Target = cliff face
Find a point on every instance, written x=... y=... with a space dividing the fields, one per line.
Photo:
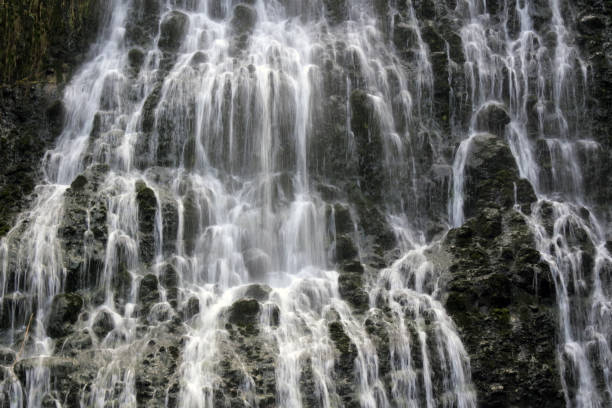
x=42 y=43
x=343 y=203
x=46 y=40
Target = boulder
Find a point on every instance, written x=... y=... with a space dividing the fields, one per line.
x=65 y=309
x=244 y=312
x=103 y=324
x=148 y=293
x=501 y=296
x=147 y=209
x=492 y=177
x=173 y=30
x=492 y=117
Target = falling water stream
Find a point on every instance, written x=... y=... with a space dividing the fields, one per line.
x=213 y=121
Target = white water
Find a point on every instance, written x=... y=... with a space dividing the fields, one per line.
x=511 y=66
x=228 y=147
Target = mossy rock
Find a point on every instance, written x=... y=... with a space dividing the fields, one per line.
x=173 y=30
x=65 y=309
x=244 y=312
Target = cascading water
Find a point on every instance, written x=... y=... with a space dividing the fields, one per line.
x=542 y=82
x=195 y=150
x=194 y=206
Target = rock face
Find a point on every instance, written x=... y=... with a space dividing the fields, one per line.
x=46 y=39
x=84 y=221
x=41 y=44
x=31 y=117
x=499 y=292
x=352 y=189
x=492 y=179
x=173 y=30
x=501 y=296
x=65 y=311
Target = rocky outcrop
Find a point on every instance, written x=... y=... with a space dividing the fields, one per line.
x=46 y=40
x=492 y=178
x=31 y=118
x=593 y=28
x=247 y=359
x=499 y=292
x=65 y=311
x=83 y=229
x=41 y=44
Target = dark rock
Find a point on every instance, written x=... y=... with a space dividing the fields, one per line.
x=74 y=344
x=501 y=296
x=148 y=293
x=170 y=280
x=491 y=177
x=345 y=363
x=492 y=117
x=192 y=308
x=258 y=292
x=243 y=22
x=103 y=324
x=244 y=312
x=48 y=43
x=345 y=248
x=7 y=356
x=147 y=209
x=65 y=310
x=83 y=231
x=173 y=30
x=135 y=59
x=336 y=11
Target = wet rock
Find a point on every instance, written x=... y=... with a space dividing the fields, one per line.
x=48 y=44
x=157 y=368
x=83 y=231
x=170 y=280
x=336 y=11
x=258 y=292
x=135 y=60
x=243 y=22
x=432 y=38
x=103 y=324
x=491 y=177
x=192 y=308
x=345 y=248
x=74 y=344
x=31 y=117
x=58 y=366
x=193 y=216
x=7 y=356
x=121 y=283
x=173 y=30
x=501 y=297
x=169 y=212
x=405 y=38
x=148 y=293
x=492 y=117
x=247 y=357
x=142 y=22
x=65 y=309
x=244 y=312
x=343 y=221
x=147 y=209
x=344 y=364
x=369 y=144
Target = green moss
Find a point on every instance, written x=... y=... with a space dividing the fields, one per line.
x=45 y=38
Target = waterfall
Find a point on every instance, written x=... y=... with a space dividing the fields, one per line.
x=205 y=202
x=514 y=65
